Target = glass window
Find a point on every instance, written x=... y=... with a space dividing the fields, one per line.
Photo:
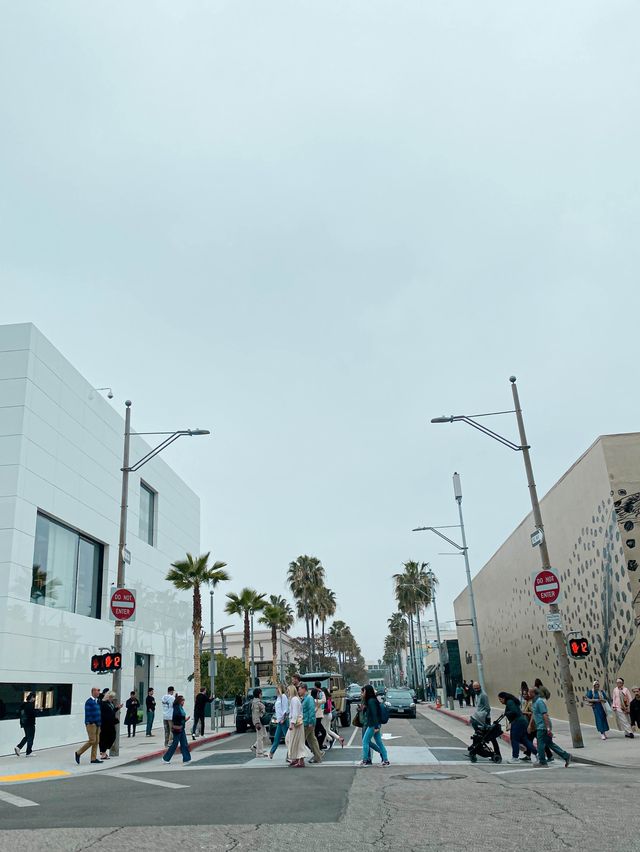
x=52 y=699
x=147 y=513
x=67 y=569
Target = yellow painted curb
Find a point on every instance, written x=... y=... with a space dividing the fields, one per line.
x=34 y=776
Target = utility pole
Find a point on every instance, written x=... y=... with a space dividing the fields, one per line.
x=212 y=663
x=252 y=667
x=116 y=681
x=558 y=635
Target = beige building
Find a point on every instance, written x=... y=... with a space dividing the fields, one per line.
x=592 y=519
x=262 y=651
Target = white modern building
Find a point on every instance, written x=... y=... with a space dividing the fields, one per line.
x=61 y=446
x=231 y=644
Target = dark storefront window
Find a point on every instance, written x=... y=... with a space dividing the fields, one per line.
x=52 y=699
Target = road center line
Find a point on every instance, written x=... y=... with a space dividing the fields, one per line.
x=153 y=781
x=352 y=737
x=18 y=801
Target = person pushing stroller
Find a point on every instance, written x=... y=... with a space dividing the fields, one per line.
x=486 y=733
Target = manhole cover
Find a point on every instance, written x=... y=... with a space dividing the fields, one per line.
x=434 y=776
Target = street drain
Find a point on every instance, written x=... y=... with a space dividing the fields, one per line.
x=434 y=776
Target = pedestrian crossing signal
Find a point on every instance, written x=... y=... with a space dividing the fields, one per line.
x=101 y=663
x=579 y=648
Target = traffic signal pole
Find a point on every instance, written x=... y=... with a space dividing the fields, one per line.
x=116 y=682
x=558 y=635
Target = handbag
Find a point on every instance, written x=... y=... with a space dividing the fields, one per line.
x=357 y=721
x=608 y=709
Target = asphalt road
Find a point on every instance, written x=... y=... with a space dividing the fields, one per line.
x=225 y=799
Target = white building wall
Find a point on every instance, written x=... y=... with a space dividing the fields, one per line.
x=61 y=453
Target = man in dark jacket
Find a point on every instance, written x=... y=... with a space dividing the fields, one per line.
x=150 y=703
x=92 y=720
x=27 y=723
x=202 y=699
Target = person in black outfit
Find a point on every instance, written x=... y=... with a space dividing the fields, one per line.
x=109 y=709
x=27 y=723
x=202 y=699
x=319 y=729
x=150 y=703
x=131 y=716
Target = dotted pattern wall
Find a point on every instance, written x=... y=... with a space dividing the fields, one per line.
x=597 y=600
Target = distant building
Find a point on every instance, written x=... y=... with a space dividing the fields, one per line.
x=592 y=523
x=232 y=644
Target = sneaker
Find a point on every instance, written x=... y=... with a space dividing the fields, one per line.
x=193 y=736
x=603 y=736
x=515 y=760
x=385 y=763
x=540 y=763
x=77 y=756
x=365 y=763
x=629 y=736
x=527 y=757
x=567 y=761
x=17 y=751
x=96 y=761
x=550 y=759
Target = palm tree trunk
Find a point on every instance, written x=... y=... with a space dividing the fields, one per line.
x=274 y=653
x=414 y=672
x=197 y=627
x=323 y=621
x=246 y=647
x=313 y=644
x=420 y=643
x=306 y=621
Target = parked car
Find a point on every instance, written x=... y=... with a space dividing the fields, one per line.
x=243 y=714
x=400 y=702
x=354 y=692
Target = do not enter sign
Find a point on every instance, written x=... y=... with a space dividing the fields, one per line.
x=546 y=587
x=123 y=605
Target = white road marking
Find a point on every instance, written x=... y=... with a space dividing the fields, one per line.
x=153 y=781
x=447 y=748
x=353 y=736
x=533 y=769
x=18 y=801
x=391 y=737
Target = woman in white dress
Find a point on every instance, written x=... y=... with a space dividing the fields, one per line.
x=296 y=731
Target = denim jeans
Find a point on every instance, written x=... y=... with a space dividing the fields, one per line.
x=519 y=736
x=150 y=718
x=544 y=740
x=281 y=732
x=369 y=734
x=179 y=740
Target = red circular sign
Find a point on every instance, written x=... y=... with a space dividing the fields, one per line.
x=123 y=604
x=546 y=587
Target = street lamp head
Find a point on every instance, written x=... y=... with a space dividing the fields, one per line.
x=512 y=379
x=193 y=432
x=457 y=487
x=442 y=419
x=127 y=402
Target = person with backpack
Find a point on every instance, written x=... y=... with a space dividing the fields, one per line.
x=374 y=716
x=28 y=724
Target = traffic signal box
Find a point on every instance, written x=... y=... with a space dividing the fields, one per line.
x=579 y=647
x=105 y=662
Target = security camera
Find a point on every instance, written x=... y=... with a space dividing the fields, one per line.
x=110 y=395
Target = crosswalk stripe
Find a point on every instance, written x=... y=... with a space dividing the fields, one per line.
x=153 y=781
x=18 y=801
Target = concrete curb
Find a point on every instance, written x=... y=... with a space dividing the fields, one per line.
x=193 y=744
x=574 y=757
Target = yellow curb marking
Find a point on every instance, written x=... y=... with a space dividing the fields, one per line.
x=33 y=776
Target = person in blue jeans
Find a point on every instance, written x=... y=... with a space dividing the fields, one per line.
x=179 y=724
x=518 y=731
x=372 y=727
x=281 y=712
x=541 y=723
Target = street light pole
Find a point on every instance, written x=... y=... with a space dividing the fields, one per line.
x=116 y=680
x=252 y=665
x=212 y=663
x=457 y=490
x=435 y=615
x=558 y=635
x=127 y=468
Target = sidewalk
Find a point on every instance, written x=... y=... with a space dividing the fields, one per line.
x=59 y=762
x=616 y=751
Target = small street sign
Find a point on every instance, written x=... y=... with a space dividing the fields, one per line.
x=546 y=587
x=554 y=622
x=537 y=537
x=122 y=606
x=126 y=556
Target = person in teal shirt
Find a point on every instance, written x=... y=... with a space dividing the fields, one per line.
x=309 y=721
x=541 y=723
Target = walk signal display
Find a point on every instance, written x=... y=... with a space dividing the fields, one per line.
x=106 y=663
x=579 y=648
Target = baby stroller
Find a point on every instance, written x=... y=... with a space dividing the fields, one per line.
x=484 y=740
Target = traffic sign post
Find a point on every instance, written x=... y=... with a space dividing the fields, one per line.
x=122 y=606
x=546 y=587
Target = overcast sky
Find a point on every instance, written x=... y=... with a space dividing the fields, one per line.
x=311 y=227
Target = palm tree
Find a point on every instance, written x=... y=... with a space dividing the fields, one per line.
x=247 y=602
x=277 y=615
x=413 y=592
x=397 y=636
x=304 y=577
x=191 y=574
x=325 y=608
